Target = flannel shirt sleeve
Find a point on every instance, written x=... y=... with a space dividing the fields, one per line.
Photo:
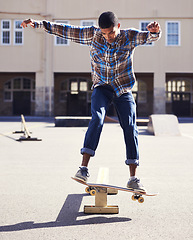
x=137 y=37
x=38 y=24
x=154 y=36
x=81 y=35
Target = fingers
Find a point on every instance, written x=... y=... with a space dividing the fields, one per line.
x=153 y=27
x=155 y=24
x=26 y=22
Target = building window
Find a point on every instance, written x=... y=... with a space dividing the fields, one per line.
x=61 y=41
x=7 y=91
x=18 y=32
x=83 y=86
x=178 y=86
x=75 y=86
x=88 y=23
x=173 y=33
x=5 y=32
x=17 y=85
x=26 y=83
x=143 y=27
x=7 y=96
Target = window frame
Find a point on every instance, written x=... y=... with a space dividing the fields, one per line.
x=175 y=87
x=17 y=30
x=6 y=30
x=64 y=92
x=179 y=34
x=11 y=90
x=87 y=21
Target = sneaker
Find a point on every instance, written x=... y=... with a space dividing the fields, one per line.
x=135 y=185
x=82 y=174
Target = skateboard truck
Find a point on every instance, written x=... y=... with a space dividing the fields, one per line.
x=100 y=202
x=136 y=197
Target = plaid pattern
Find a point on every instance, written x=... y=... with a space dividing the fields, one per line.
x=111 y=63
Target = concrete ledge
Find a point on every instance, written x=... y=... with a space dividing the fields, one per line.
x=83 y=121
x=163 y=124
x=70 y=121
x=142 y=121
x=78 y=121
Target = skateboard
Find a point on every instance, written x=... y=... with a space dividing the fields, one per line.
x=93 y=188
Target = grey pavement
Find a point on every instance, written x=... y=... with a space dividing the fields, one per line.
x=39 y=200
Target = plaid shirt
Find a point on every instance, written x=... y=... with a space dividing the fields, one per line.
x=111 y=63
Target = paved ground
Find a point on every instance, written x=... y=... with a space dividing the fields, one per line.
x=39 y=200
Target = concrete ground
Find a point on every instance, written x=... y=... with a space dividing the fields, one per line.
x=39 y=200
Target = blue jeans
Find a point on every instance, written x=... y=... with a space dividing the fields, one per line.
x=101 y=99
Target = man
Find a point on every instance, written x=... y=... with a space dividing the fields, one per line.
x=111 y=53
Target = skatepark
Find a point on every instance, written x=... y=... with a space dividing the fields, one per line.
x=39 y=200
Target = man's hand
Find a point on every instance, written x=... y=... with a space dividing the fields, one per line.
x=153 y=27
x=28 y=21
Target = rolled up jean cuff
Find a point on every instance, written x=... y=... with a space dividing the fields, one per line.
x=88 y=151
x=132 y=161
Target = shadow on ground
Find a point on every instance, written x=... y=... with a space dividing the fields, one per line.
x=68 y=216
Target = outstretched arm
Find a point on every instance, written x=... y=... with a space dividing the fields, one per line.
x=82 y=35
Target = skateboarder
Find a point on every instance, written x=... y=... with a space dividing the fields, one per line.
x=111 y=53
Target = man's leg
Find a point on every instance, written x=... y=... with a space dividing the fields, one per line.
x=126 y=110
x=85 y=159
x=132 y=169
x=100 y=102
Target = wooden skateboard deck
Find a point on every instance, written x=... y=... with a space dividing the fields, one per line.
x=92 y=188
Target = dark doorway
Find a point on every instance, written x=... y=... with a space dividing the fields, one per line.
x=21 y=103
x=77 y=104
x=77 y=98
x=181 y=104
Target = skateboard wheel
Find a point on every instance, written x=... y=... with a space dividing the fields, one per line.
x=93 y=192
x=133 y=198
x=87 y=190
x=140 y=199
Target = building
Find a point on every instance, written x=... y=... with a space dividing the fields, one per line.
x=41 y=74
